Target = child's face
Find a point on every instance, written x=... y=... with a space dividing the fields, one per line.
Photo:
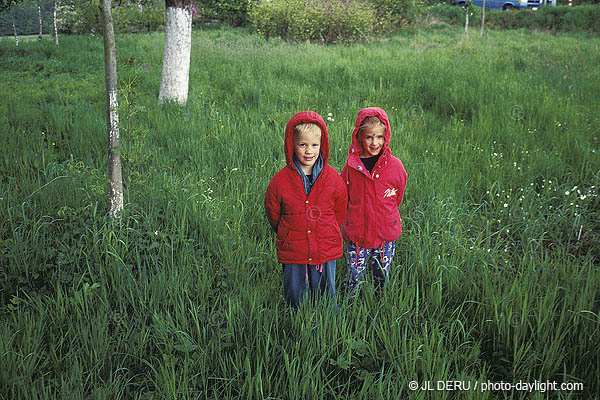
x=372 y=141
x=307 y=146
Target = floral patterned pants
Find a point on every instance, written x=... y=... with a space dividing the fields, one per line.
x=358 y=257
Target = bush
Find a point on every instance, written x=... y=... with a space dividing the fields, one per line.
x=398 y=13
x=582 y=18
x=135 y=20
x=78 y=17
x=322 y=21
x=453 y=15
x=26 y=19
x=232 y=12
x=556 y=19
x=84 y=17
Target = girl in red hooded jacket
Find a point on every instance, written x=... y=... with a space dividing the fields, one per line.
x=305 y=204
x=375 y=181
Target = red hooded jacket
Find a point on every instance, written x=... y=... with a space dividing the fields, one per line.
x=308 y=227
x=373 y=198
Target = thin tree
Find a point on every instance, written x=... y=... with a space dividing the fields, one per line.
x=467 y=11
x=467 y=17
x=9 y=4
x=176 y=58
x=39 y=4
x=55 y=24
x=482 y=19
x=115 y=192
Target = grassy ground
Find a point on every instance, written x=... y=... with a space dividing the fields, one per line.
x=496 y=275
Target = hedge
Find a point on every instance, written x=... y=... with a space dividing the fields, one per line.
x=584 y=18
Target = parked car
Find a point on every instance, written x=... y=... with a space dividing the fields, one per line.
x=503 y=4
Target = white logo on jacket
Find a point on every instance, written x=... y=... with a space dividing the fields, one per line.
x=390 y=192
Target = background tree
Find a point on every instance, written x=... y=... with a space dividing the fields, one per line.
x=39 y=6
x=467 y=12
x=115 y=192
x=482 y=19
x=55 y=22
x=176 y=58
x=7 y=5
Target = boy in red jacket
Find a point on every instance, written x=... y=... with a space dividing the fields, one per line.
x=375 y=181
x=305 y=204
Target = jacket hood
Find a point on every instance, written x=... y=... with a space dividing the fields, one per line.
x=353 y=156
x=300 y=118
x=371 y=112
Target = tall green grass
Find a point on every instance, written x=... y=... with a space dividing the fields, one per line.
x=496 y=274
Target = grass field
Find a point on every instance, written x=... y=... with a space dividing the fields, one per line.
x=496 y=277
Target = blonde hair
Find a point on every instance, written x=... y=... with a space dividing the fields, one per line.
x=307 y=127
x=369 y=123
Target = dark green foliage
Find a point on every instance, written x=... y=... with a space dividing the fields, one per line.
x=453 y=15
x=396 y=14
x=232 y=12
x=321 y=21
x=333 y=21
x=584 y=18
x=84 y=16
x=26 y=19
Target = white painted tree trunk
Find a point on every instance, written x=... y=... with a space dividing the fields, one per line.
x=467 y=21
x=40 y=19
x=115 y=192
x=482 y=19
x=12 y=20
x=55 y=24
x=176 y=59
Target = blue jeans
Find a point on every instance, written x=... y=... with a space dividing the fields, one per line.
x=381 y=259
x=301 y=278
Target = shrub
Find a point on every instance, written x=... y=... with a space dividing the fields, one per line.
x=582 y=18
x=232 y=12
x=78 y=17
x=566 y=19
x=453 y=15
x=398 y=13
x=135 y=20
x=322 y=21
x=84 y=16
x=26 y=19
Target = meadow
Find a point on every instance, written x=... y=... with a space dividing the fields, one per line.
x=496 y=276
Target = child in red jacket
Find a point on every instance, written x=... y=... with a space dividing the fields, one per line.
x=375 y=181
x=305 y=204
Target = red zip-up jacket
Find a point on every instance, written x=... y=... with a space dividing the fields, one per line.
x=308 y=227
x=373 y=198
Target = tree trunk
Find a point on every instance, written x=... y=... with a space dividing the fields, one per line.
x=176 y=59
x=467 y=21
x=40 y=19
x=115 y=191
x=12 y=20
x=482 y=19
x=55 y=24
